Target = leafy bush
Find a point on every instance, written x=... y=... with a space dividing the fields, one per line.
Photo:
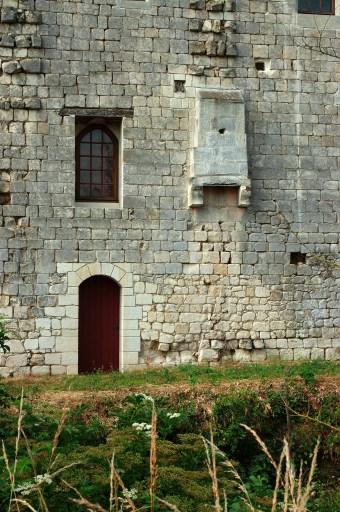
x=3 y=336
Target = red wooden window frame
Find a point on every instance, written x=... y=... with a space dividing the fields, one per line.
x=321 y=10
x=94 y=153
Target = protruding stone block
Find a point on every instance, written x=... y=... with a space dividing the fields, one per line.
x=244 y=194
x=10 y=67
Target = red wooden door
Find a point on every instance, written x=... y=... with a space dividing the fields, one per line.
x=98 y=325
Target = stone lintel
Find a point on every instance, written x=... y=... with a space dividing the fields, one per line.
x=232 y=96
x=97 y=112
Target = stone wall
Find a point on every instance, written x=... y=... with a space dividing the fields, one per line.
x=203 y=284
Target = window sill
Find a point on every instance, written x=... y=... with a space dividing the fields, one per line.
x=99 y=204
x=318 y=21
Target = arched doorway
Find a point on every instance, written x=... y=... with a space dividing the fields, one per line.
x=99 y=299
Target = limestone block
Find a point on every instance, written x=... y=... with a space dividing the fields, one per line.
x=4 y=187
x=197 y=47
x=17 y=103
x=33 y=17
x=220 y=48
x=36 y=41
x=10 y=67
x=196 y=70
x=258 y=344
x=40 y=370
x=9 y=15
x=164 y=347
x=33 y=104
x=259 y=355
x=207 y=355
x=230 y=26
x=217 y=344
x=195 y=25
x=23 y=41
x=37 y=359
x=231 y=50
x=229 y=5
x=197 y=4
x=16 y=360
x=207 y=26
x=242 y=355
x=317 y=353
x=7 y=41
x=215 y=5
x=245 y=344
x=216 y=26
x=211 y=46
x=31 y=65
x=332 y=353
x=186 y=356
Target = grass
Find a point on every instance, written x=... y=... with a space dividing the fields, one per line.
x=186 y=374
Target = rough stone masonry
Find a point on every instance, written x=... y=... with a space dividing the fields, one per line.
x=215 y=262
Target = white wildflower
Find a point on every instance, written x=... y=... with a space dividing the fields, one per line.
x=143 y=427
x=130 y=493
x=145 y=397
x=27 y=487
x=173 y=415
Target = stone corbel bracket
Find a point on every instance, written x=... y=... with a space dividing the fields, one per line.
x=219 y=146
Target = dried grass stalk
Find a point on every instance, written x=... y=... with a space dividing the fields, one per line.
x=210 y=451
x=153 y=458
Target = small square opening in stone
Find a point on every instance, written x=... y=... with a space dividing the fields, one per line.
x=179 y=85
x=260 y=65
x=297 y=257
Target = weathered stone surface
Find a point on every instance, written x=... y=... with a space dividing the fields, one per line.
x=195 y=25
x=10 y=67
x=7 y=41
x=23 y=41
x=36 y=41
x=196 y=70
x=197 y=47
x=9 y=15
x=197 y=4
x=231 y=50
x=215 y=5
x=4 y=187
x=33 y=103
x=31 y=65
x=33 y=17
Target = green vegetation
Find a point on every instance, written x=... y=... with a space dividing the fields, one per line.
x=182 y=374
x=62 y=460
x=3 y=336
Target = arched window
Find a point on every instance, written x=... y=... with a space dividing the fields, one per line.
x=97 y=164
